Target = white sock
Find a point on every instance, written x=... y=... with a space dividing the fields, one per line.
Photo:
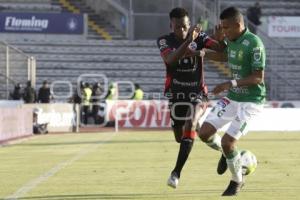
x=235 y=167
x=215 y=142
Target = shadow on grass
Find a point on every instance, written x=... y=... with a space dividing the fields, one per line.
x=97 y=142
x=181 y=195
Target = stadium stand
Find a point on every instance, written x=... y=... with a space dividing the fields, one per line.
x=97 y=23
x=139 y=61
x=136 y=61
x=269 y=7
x=29 y=6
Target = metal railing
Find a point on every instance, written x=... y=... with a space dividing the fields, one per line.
x=15 y=67
x=145 y=19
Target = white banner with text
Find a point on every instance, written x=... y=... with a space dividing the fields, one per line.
x=282 y=26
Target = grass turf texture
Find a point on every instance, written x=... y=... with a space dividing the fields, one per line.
x=136 y=165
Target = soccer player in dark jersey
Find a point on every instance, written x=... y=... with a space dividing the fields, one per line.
x=184 y=87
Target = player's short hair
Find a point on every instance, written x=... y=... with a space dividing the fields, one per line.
x=178 y=13
x=231 y=13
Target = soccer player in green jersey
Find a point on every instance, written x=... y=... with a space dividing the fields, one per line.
x=245 y=54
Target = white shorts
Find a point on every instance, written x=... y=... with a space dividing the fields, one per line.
x=239 y=114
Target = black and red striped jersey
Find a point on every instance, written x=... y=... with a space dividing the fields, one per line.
x=187 y=74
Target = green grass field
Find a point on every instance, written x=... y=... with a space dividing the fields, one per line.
x=136 y=165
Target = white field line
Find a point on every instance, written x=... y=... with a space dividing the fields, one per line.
x=38 y=180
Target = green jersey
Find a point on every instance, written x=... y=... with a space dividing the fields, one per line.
x=245 y=55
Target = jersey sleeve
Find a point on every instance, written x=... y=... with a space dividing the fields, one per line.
x=164 y=46
x=257 y=55
x=206 y=41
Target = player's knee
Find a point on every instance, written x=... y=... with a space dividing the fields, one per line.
x=204 y=133
x=204 y=137
x=227 y=144
x=194 y=125
x=178 y=139
x=188 y=125
x=188 y=139
x=177 y=133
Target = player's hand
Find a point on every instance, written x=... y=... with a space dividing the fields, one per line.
x=194 y=32
x=221 y=88
x=202 y=53
x=218 y=33
x=191 y=53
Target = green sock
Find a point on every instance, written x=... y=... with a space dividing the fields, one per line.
x=214 y=142
x=233 y=160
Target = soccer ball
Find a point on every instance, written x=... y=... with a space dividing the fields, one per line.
x=248 y=161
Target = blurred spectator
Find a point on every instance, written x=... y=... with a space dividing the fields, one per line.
x=204 y=24
x=97 y=92
x=253 y=15
x=76 y=100
x=112 y=92
x=44 y=94
x=86 y=102
x=29 y=95
x=203 y=20
x=38 y=128
x=138 y=92
x=17 y=93
x=77 y=94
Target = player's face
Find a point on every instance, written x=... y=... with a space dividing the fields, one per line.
x=230 y=28
x=180 y=27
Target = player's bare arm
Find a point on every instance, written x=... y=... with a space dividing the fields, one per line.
x=182 y=51
x=218 y=37
x=216 y=44
x=255 y=78
x=215 y=56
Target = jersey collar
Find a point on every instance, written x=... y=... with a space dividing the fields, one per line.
x=239 y=40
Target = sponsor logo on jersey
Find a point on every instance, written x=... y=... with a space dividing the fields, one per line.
x=234 y=67
x=236 y=75
x=246 y=42
x=240 y=90
x=223 y=102
x=232 y=54
x=237 y=119
x=204 y=36
x=193 y=46
x=185 y=70
x=240 y=55
x=185 y=61
x=257 y=53
x=185 y=84
x=162 y=44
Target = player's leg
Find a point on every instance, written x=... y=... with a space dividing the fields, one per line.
x=195 y=111
x=177 y=127
x=208 y=135
x=220 y=115
x=177 y=112
x=238 y=128
x=233 y=160
x=178 y=132
x=85 y=114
